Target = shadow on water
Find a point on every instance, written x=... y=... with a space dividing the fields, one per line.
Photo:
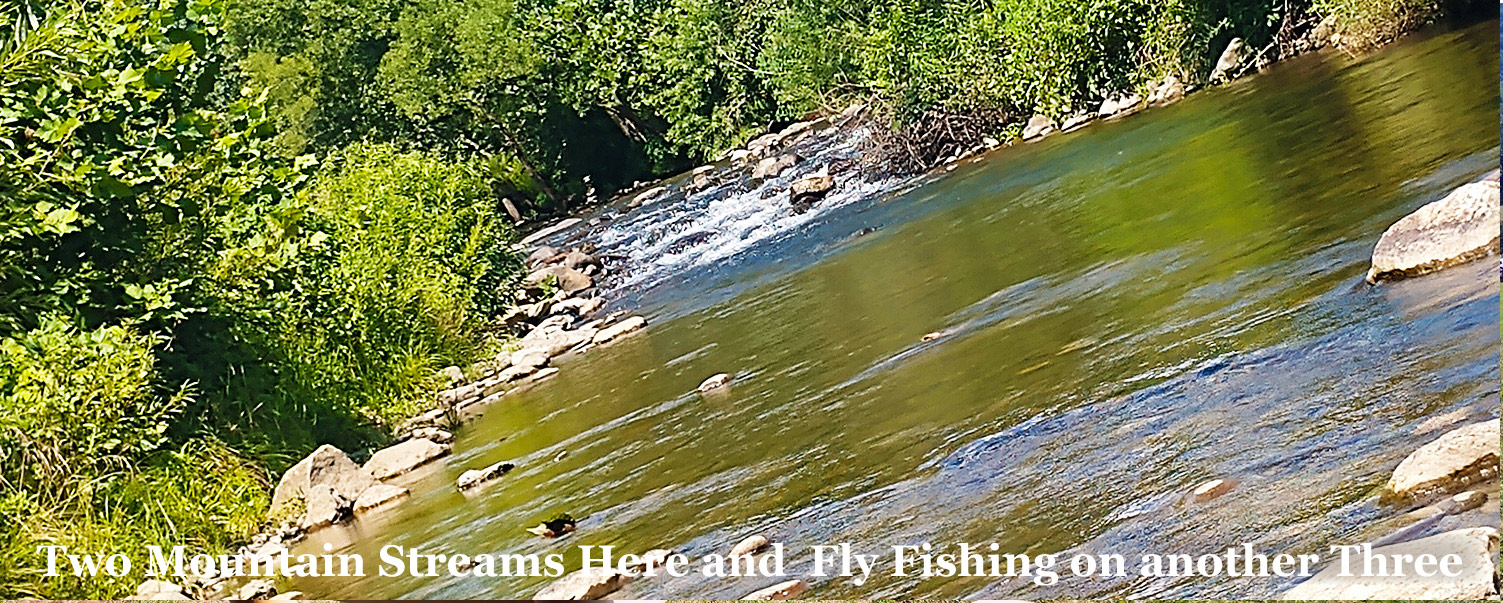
x=1126 y=312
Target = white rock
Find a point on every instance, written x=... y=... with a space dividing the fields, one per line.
x=1231 y=58
x=325 y=466
x=1211 y=489
x=324 y=506
x=715 y=382
x=782 y=591
x=1455 y=459
x=584 y=585
x=750 y=546
x=404 y=457
x=1038 y=127
x=1459 y=228
x=377 y=496
x=1476 y=546
x=615 y=331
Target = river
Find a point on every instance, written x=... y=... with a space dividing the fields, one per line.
x=1127 y=311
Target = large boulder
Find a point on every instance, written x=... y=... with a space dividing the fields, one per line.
x=327 y=466
x=1459 y=228
x=587 y=584
x=324 y=507
x=1452 y=461
x=568 y=279
x=1476 y=546
x=404 y=457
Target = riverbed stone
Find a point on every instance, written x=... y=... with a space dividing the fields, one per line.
x=1167 y=91
x=772 y=167
x=540 y=255
x=647 y=196
x=378 y=495
x=158 y=590
x=257 y=590
x=584 y=585
x=1119 y=106
x=615 y=331
x=750 y=545
x=404 y=457
x=431 y=433
x=1210 y=490
x=781 y=591
x=1478 y=547
x=530 y=357
x=1077 y=121
x=1039 y=126
x=579 y=306
x=1230 y=60
x=715 y=382
x=327 y=466
x=1452 y=461
x=477 y=477
x=323 y=507
x=810 y=189
x=569 y=280
x=1459 y=228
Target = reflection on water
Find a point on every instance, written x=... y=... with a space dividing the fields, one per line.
x=1127 y=312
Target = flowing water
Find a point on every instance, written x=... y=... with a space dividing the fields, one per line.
x=1127 y=311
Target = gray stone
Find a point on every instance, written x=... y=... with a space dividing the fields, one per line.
x=540 y=255
x=378 y=495
x=647 y=196
x=568 y=279
x=1230 y=60
x=615 y=331
x=1211 y=489
x=579 y=306
x=584 y=585
x=750 y=545
x=810 y=189
x=476 y=477
x=257 y=589
x=1125 y=104
x=431 y=433
x=404 y=457
x=771 y=167
x=781 y=591
x=530 y=357
x=1452 y=461
x=1477 y=547
x=325 y=466
x=1459 y=228
x=1038 y=127
x=159 y=590
x=324 y=506
x=455 y=375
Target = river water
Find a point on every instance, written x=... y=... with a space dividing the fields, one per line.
x=1128 y=311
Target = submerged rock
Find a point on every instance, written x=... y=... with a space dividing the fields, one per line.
x=752 y=545
x=477 y=477
x=1459 y=228
x=404 y=457
x=1452 y=461
x=378 y=495
x=781 y=591
x=584 y=585
x=1477 y=548
x=327 y=466
x=715 y=382
x=1038 y=127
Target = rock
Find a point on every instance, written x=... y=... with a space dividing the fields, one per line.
x=568 y=279
x=931 y=336
x=650 y=195
x=327 y=466
x=615 y=331
x=1454 y=460
x=1170 y=90
x=431 y=433
x=477 y=477
x=404 y=457
x=257 y=589
x=584 y=585
x=1477 y=548
x=294 y=595
x=579 y=306
x=516 y=372
x=990 y=143
x=545 y=373
x=740 y=155
x=1463 y=502
x=540 y=255
x=323 y=507
x=771 y=167
x=530 y=357
x=1120 y=106
x=810 y=189
x=159 y=590
x=377 y=496
x=1320 y=35
x=1459 y=228
x=1077 y=121
x=715 y=382
x=781 y=591
x=576 y=260
x=1038 y=127
x=546 y=232
x=1230 y=60
x=750 y=546
x=1211 y=489
x=455 y=375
